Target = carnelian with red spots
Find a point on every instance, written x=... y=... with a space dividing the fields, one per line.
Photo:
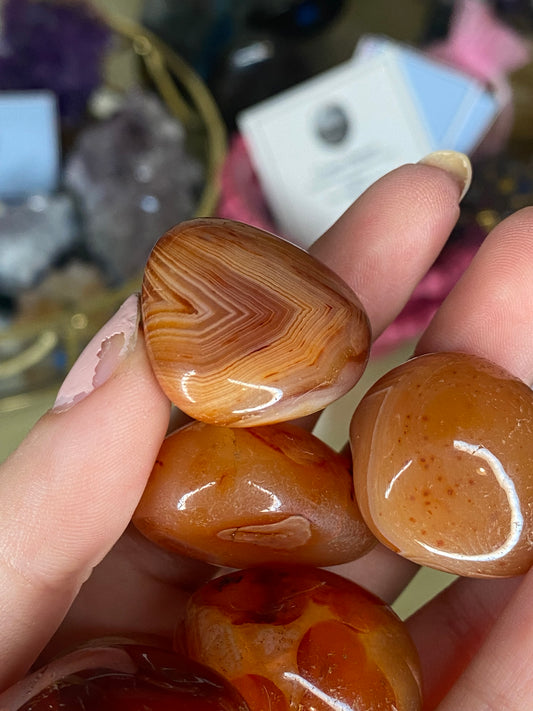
x=303 y=639
x=442 y=450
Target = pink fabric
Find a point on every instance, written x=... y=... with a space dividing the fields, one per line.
x=480 y=44
x=241 y=197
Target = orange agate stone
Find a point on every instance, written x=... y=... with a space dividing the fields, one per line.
x=303 y=639
x=244 y=328
x=238 y=497
x=442 y=451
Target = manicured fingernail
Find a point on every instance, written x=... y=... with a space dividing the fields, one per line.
x=102 y=355
x=456 y=164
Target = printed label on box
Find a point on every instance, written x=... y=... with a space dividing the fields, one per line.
x=318 y=146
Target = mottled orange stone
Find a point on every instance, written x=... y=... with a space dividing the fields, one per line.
x=303 y=639
x=238 y=497
x=442 y=453
x=244 y=328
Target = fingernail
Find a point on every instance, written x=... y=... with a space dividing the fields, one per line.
x=102 y=355
x=456 y=164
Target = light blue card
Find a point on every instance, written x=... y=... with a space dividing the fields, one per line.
x=29 y=144
x=457 y=110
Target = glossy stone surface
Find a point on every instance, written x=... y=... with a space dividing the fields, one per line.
x=244 y=328
x=124 y=677
x=238 y=497
x=442 y=451
x=303 y=639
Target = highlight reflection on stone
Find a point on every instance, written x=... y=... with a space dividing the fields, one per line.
x=238 y=497
x=442 y=450
x=295 y=638
x=244 y=328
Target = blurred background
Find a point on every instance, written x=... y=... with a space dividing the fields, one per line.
x=121 y=118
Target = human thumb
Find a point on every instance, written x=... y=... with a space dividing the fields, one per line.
x=68 y=492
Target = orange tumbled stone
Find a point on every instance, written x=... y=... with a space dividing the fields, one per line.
x=238 y=497
x=442 y=450
x=243 y=328
x=303 y=639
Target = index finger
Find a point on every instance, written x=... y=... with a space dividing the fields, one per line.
x=382 y=247
x=68 y=492
x=388 y=239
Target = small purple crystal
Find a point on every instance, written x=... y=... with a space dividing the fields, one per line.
x=133 y=179
x=33 y=234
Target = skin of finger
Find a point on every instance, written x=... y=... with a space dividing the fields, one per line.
x=66 y=495
x=489 y=311
x=460 y=618
x=500 y=675
x=382 y=247
x=138 y=589
x=388 y=239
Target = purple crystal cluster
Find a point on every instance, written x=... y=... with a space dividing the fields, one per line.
x=133 y=179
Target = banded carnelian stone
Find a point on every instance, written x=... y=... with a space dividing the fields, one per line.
x=244 y=328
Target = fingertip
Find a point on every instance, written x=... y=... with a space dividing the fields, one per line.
x=455 y=164
x=102 y=355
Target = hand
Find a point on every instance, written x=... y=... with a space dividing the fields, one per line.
x=72 y=569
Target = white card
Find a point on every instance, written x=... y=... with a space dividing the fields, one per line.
x=319 y=145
